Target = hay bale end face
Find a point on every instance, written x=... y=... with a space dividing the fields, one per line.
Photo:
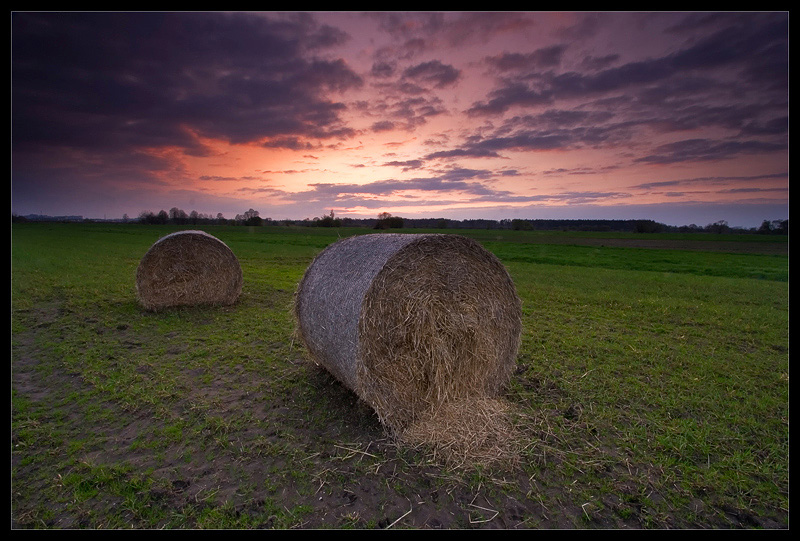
x=188 y=268
x=410 y=322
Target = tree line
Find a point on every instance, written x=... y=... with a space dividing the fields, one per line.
x=385 y=220
x=180 y=217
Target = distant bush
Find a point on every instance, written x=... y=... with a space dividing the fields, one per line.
x=328 y=221
x=387 y=221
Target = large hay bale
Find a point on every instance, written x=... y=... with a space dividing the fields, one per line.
x=410 y=322
x=188 y=268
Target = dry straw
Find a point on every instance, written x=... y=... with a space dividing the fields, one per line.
x=188 y=268
x=423 y=328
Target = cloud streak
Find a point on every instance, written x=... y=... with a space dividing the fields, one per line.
x=129 y=80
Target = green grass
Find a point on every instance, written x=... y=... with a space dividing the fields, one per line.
x=768 y=267
x=656 y=382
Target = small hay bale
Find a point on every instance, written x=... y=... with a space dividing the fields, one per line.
x=410 y=322
x=188 y=268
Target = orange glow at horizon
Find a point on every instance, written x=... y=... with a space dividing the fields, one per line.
x=272 y=174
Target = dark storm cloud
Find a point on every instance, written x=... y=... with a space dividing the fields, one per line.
x=705 y=149
x=409 y=25
x=104 y=81
x=434 y=72
x=754 y=45
x=513 y=94
x=392 y=191
x=467 y=152
x=558 y=130
x=406 y=165
x=382 y=125
x=455 y=182
x=386 y=188
x=451 y=28
x=404 y=113
x=708 y=180
x=462 y=181
x=774 y=126
x=462 y=173
x=656 y=185
x=594 y=63
x=291 y=142
x=557 y=119
x=754 y=190
x=734 y=78
x=383 y=69
x=415 y=110
x=546 y=140
x=546 y=57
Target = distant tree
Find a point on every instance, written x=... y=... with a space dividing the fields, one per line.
x=387 y=221
x=521 y=225
x=328 y=221
x=718 y=227
x=647 y=226
x=178 y=216
x=774 y=227
x=250 y=217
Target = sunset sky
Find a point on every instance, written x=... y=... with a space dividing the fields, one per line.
x=677 y=117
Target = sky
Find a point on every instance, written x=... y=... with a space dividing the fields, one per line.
x=676 y=117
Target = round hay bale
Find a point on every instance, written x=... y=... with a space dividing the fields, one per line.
x=188 y=268
x=410 y=322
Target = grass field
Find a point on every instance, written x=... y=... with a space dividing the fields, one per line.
x=652 y=376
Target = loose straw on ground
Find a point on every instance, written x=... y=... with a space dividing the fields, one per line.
x=423 y=328
x=188 y=268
